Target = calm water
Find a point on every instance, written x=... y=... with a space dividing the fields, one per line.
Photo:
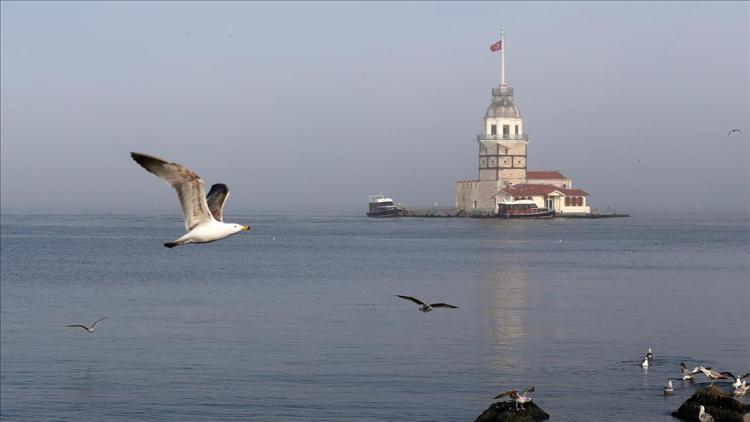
x=307 y=326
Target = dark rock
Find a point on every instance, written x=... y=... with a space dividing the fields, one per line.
x=505 y=411
x=719 y=404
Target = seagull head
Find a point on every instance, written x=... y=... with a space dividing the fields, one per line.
x=240 y=228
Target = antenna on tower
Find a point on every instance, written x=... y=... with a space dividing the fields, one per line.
x=502 y=56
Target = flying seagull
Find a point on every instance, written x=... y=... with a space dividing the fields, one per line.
x=520 y=399
x=703 y=416
x=712 y=374
x=737 y=379
x=687 y=374
x=204 y=220
x=668 y=389
x=90 y=329
x=735 y=130
x=425 y=307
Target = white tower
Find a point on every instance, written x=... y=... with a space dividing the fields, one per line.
x=502 y=142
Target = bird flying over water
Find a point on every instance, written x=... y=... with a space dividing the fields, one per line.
x=90 y=329
x=735 y=130
x=520 y=399
x=203 y=216
x=425 y=307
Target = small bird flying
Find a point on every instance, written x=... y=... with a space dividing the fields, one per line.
x=91 y=328
x=735 y=130
x=204 y=220
x=520 y=399
x=425 y=307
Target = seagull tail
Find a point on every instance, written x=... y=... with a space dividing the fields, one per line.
x=171 y=244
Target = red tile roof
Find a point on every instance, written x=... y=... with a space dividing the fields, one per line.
x=544 y=174
x=530 y=190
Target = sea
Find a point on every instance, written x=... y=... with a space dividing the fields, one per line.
x=298 y=319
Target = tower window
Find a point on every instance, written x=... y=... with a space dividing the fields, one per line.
x=493 y=130
x=516 y=129
x=506 y=131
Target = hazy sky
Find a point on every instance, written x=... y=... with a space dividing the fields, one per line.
x=312 y=106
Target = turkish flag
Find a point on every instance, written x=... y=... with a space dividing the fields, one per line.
x=497 y=46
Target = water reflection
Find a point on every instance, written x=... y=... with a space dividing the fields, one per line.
x=505 y=300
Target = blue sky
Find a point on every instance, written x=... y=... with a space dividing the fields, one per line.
x=312 y=106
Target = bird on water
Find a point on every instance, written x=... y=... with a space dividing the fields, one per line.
x=649 y=355
x=520 y=399
x=90 y=329
x=688 y=374
x=668 y=389
x=645 y=363
x=427 y=307
x=203 y=216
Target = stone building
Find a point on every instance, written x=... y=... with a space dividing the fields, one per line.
x=502 y=164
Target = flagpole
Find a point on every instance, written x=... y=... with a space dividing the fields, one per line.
x=502 y=56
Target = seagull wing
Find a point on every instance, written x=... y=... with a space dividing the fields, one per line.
x=415 y=300
x=509 y=393
x=95 y=322
x=727 y=374
x=79 y=325
x=529 y=389
x=189 y=187
x=216 y=198
x=442 y=305
x=745 y=376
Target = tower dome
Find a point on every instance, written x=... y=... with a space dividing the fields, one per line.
x=502 y=104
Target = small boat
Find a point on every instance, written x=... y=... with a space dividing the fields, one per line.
x=524 y=208
x=380 y=206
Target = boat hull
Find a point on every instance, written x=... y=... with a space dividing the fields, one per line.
x=383 y=214
x=533 y=214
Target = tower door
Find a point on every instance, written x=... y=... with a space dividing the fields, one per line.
x=506 y=131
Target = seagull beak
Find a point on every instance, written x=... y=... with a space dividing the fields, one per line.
x=246 y=228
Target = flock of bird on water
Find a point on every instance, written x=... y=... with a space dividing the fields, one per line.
x=204 y=223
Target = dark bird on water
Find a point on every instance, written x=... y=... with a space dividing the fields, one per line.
x=425 y=307
x=520 y=399
x=90 y=329
x=735 y=130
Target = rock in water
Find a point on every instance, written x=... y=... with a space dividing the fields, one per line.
x=719 y=404
x=505 y=411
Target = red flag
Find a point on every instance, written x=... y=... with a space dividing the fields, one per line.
x=496 y=46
